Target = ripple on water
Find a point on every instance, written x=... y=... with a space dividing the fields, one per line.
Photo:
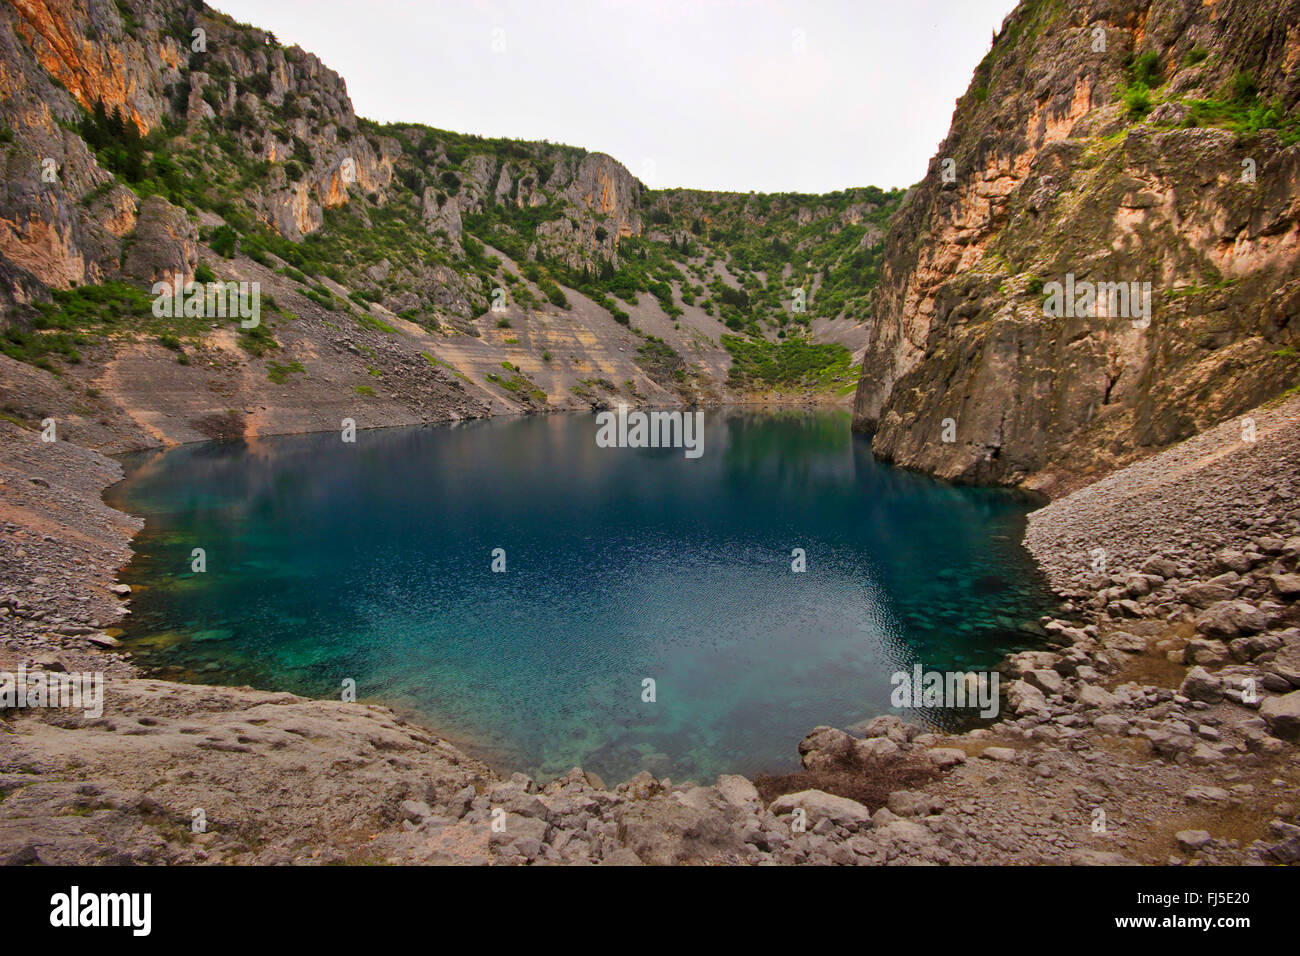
x=371 y=562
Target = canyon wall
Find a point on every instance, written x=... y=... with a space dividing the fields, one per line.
x=1107 y=141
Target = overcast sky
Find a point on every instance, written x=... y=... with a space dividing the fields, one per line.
x=770 y=95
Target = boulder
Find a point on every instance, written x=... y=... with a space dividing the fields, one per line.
x=818 y=805
x=945 y=757
x=1204 y=594
x=1048 y=681
x=1126 y=642
x=737 y=790
x=1092 y=696
x=1000 y=754
x=1282 y=715
x=1025 y=698
x=1201 y=650
x=1200 y=684
x=1286 y=664
x=1192 y=840
x=1225 y=620
x=877 y=748
x=826 y=748
x=1287 y=585
x=908 y=803
x=1157 y=564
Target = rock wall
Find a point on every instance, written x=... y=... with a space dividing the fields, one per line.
x=1046 y=173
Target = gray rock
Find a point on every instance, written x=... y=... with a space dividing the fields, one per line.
x=1201 y=650
x=1287 y=585
x=1192 y=840
x=1001 y=754
x=1200 y=684
x=1124 y=641
x=818 y=805
x=1048 y=681
x=1204 y=794
x=1228 y=619
x=907 y=803
x=1090 y=695
x=1025 y=698
x=945 y=757
x=1282 y=714
x=737 y=790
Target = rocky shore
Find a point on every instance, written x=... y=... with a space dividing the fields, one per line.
x=1158 y=725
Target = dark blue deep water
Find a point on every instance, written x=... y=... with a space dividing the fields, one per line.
x=372 y=561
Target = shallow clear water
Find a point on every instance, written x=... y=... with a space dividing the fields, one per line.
x=372 y=561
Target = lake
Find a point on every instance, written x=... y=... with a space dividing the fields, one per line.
x=372 y=562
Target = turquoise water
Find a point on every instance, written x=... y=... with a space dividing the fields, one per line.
x=372 y=562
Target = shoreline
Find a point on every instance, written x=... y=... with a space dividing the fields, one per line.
x=1087 y=679
x=461 y=740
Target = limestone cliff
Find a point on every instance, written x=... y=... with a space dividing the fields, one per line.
x=1104 y=141
x=410 y=273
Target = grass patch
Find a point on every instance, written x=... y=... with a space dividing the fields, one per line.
x=279 y=372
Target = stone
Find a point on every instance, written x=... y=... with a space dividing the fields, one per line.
x=1192 y=840
x=737 y=790
x=1286 y=664
x=1231 y=560
x=1090 y=695
x=1228 y=619
x=1204 y=794
x=1126 y=642
x=1001 y=754
x=1203 y=594
x=826 y=748
x=1111 y=724
x=818 y=805
x=907 y=803
x=1202 y=651
x=1200 y=684
x=416 y=811
x=1156 y=564
x=1025 y=698
x=1048 y=681
x=945 y=757
x=905 y=831
x=874 y=749
x=1282 y=715
x=887 y=725
x=1287 y=585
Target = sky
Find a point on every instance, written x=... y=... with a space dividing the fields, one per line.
x=765 y=95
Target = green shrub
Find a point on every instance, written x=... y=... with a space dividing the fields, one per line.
x=1145 y=69
x=1137 y=101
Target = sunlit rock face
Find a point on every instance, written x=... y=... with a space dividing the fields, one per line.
x=1050 y=171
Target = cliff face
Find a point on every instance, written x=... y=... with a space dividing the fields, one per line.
x=165 y=67
x=409 y=273
x=1108 y=141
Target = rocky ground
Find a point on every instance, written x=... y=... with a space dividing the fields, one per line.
x=1158 y=726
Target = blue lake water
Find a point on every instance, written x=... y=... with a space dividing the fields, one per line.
x=372 y=562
